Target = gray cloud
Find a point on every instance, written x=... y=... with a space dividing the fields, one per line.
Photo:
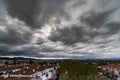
x=114 y=27
x=96 y=19
x=69 y=35
x=35 y=13
x=74 y=34
x=14 y=38
x=23 y=9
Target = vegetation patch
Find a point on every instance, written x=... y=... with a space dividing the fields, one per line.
x=76 y=70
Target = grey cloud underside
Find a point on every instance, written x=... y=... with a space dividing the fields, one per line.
x=23 y=9
x=14 y=38
x=93 y=20
x=30 y=10
x=60 y=28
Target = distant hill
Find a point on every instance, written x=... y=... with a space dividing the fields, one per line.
x=79 y=59
x=16 y=58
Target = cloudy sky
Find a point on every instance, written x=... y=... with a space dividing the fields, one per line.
x=60 y=28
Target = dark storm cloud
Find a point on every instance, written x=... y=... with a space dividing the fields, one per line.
x=113 y=27
x=73 y=35
x=49 y=49
x=20 y=53
x=30 y=10
x=69 y=35
x=92 y=19
x=23 y=9
x=96 y=19
x=14 y=38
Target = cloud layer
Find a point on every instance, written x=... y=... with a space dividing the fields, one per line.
x=60 y=28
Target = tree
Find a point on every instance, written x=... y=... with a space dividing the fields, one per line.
x=6 y=63
x=14 y=62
